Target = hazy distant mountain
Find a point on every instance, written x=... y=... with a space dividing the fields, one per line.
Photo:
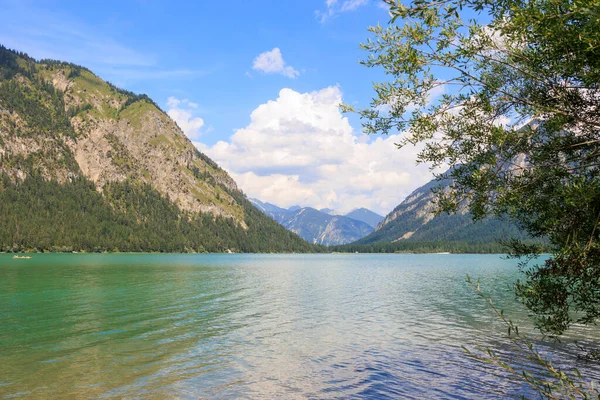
x=365 y=215
x=317 y=227
x=328 y=211
x=270 y=209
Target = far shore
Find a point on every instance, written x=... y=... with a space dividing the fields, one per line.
x=227 y=253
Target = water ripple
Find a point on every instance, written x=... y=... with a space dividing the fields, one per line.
x=249 y=326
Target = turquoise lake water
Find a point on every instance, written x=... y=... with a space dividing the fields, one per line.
x=257 y=326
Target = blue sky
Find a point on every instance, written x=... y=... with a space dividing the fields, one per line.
x=255 y=84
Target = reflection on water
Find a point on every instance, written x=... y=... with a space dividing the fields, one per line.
x=253 y=326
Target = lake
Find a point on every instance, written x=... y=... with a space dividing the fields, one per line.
x=257 y=326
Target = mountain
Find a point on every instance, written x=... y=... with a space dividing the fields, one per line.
x=365 y=215
x=270 y=209
x=87 y=166
x=328 y=211
x=322 y=226
x=414 y=221
x=317 y=227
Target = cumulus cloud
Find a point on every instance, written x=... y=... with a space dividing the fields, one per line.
x=271 y=62
x=333 y=7
x=181 y=111
x=300 y=149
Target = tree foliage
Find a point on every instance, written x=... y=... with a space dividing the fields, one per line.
x=518 y=123
x=419 y=246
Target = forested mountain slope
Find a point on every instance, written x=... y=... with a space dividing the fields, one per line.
x=87 y=166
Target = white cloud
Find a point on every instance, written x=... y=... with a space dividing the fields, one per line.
x=271 y=62
x=181 y=111
x=173 y=102
x=383 y=6
x=299 y=149
x=334 y=7
x=350 y=5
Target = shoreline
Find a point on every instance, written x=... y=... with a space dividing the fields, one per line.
x=232 y=253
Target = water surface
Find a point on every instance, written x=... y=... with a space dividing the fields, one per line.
x=254 y=326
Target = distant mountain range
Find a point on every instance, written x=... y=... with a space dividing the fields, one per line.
x=322 y=226
x=328 y=211
x=365 y=215
x=411 y=226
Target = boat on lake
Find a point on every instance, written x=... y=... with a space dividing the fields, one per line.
x=16 y=256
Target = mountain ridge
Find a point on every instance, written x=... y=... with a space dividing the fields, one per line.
x=322 y=226
x=366 y=215
x=61 y=123
x=317 y=227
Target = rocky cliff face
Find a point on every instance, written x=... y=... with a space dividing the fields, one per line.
x=65 y=122
x=418 y=207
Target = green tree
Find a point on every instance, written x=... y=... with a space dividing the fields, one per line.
x=518 y=124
